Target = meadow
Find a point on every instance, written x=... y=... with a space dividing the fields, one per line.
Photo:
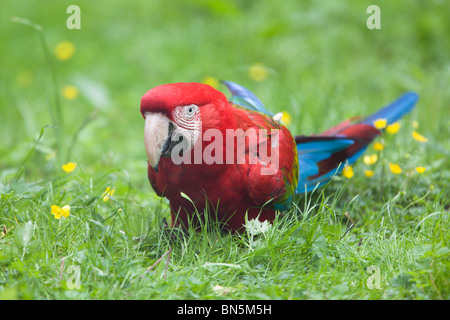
x=78 y=217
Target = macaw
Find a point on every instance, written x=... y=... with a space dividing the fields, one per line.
x=179 y=120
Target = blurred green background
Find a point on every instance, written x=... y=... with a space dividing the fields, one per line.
x=316 y=60
x=323 y=65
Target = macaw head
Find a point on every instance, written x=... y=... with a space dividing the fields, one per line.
x=179 y=113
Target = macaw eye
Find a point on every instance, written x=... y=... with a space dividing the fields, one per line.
x=191 y=110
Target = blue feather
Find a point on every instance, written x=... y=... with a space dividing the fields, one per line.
x=312 y=152
x=245 y=98
x=395 y=110
x=317 y=183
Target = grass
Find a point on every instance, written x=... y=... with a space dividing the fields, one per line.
x=323 y=66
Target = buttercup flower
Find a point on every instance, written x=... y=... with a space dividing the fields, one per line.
x=395 y=168
x=212 y=81
x=368 y=160
x=380 y=123
x=415 y=124
x=70 y=92
x=393 y=128
x=421 y=169
x=109 y=192
x=378 y=146
x=368 y=173
x=69 y=167
x=258 y=72
x=419 y=137
x=64 y=50
x=58 y=212
x=55 y=209
x=348 y=172
x=286 y=118
x=65 y=211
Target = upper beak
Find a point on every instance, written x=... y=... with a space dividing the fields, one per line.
x=157 y=136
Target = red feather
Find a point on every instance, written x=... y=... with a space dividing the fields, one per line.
x=228 y=191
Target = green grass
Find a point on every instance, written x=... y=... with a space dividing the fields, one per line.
x=324 y=66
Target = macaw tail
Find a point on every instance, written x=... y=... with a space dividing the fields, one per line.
x=325 y=155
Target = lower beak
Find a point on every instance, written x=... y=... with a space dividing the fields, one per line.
x=157 y=136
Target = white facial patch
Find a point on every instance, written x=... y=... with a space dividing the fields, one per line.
x=189 y=125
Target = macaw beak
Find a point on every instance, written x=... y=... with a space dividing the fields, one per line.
x=157 y=135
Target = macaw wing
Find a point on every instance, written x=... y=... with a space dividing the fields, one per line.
x=271 y=178
x=319 y=160
x=245 y=98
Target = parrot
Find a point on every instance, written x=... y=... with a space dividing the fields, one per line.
x=209 y=154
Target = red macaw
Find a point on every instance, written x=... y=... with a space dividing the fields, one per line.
x=188 y=126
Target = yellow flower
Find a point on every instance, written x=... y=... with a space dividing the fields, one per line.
x=55 y=209
x=395 y=168
x=58 y=212
x=70 y=92
x=421 y=169
x=348 y=172
x=378 y=146
x=393 y=128
x=64 y=50
x=368 y=173
x=258 y=72
x=419 y=137
x=286 y=118
x=380 y=123
x=109 y=192
x=212 y=81
x=370 y=159
x=69 y=167
x=415 y=124
x=65 y=211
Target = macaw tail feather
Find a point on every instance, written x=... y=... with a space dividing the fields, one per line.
x=395 y=110
x=325 y=155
